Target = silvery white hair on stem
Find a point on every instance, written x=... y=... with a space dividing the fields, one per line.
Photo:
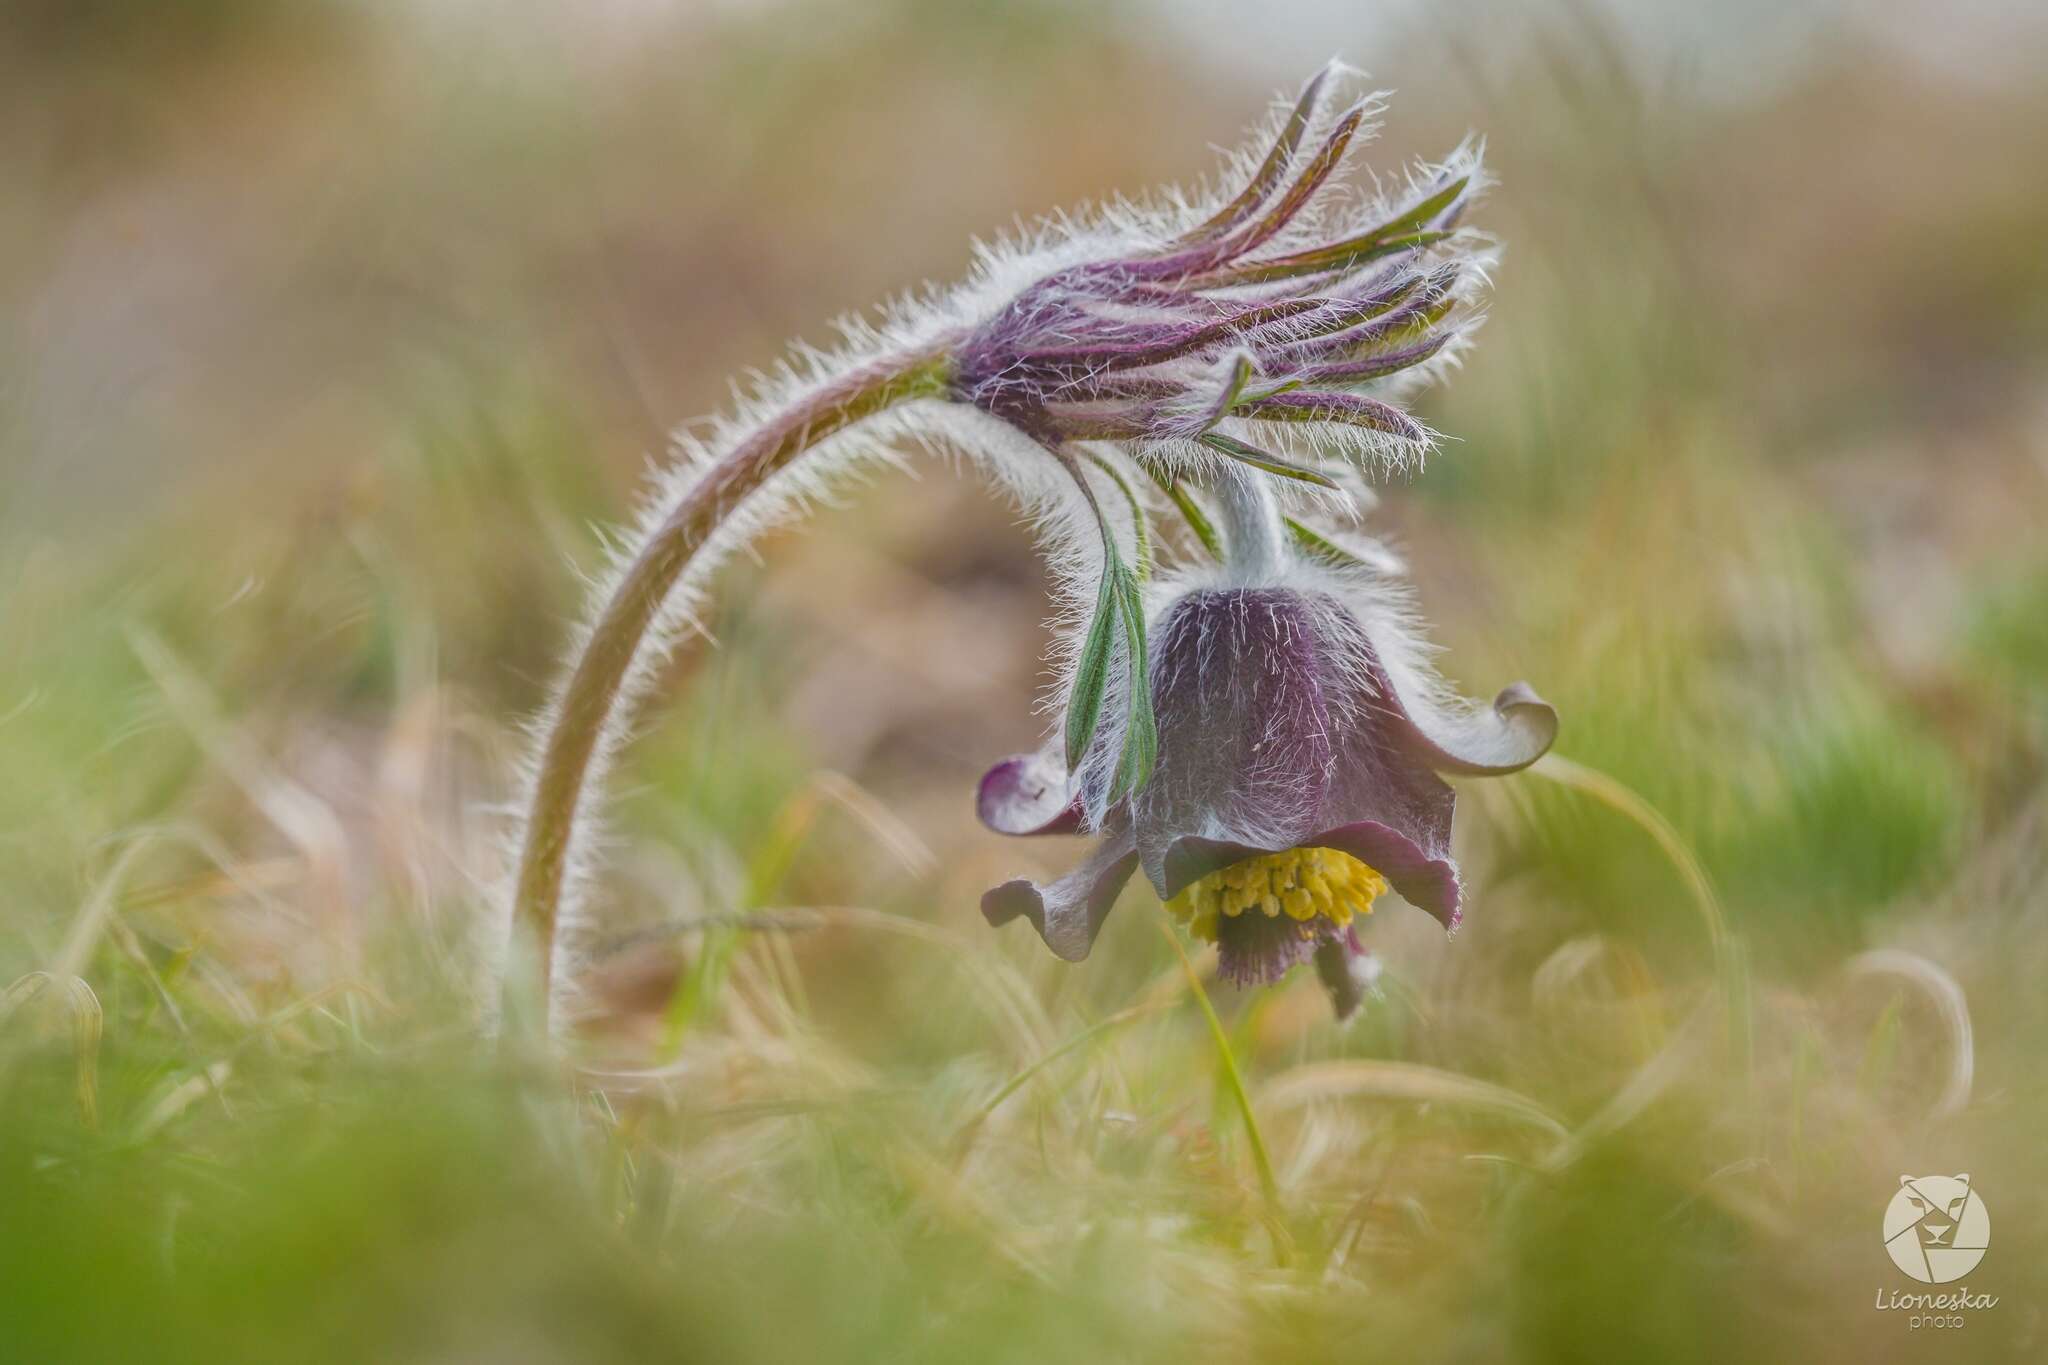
x=1134 y=376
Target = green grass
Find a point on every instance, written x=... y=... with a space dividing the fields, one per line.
x=257 y=734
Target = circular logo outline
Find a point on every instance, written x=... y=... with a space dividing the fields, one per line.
x=1937 y=1227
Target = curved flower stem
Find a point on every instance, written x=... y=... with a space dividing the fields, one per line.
x=587 y=708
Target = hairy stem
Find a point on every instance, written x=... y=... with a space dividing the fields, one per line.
x=1254 y=543
x=597 y=684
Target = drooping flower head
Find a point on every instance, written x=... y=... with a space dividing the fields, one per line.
x=1278 y=765
x=1300 y=748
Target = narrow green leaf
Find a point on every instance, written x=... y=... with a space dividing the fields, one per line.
x=1091 y=675
x=1427 y=209
x=1271 y=391
x=1320 y=546
x=1259 y=459
x=1190 y=511
x=1141 y=733
x=1141 y=535
x=1234 y=1081
x=1233 y=388
x=1344 y=256
x=1389 y=336
x=1401 y=233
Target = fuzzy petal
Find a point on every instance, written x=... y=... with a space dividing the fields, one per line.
x=1255 y=758
x=1347 y=972
x=1257 y=950
x=1192 y=857
x=1390 y=810
x=1424 y=875
x=1125 y=342
x=1245 y=757
x=1068 y=913
x=1519 y=729
x=1027 y=794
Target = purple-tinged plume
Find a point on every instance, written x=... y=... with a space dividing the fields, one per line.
x=1262 y=322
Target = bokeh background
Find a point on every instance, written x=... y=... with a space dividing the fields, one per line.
x=331 y=332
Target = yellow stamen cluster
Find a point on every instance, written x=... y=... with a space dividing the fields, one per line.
x=1302 y=883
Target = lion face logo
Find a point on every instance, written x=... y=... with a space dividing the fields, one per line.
x=1937 y=1227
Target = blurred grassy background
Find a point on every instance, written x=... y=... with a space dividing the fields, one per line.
x=329 y=331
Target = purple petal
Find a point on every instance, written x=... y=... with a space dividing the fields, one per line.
x=1453 y=738
x=1068 y=913
x=1240 y=687
x=1373 y=367
x=1390 y=811
x=1191 y=857
x=1347 y=409
x=1426 y=880
x=1257 y=950
x=1264 y=746
x=1343 y=965
x=1027 y=794
x=1164 y=342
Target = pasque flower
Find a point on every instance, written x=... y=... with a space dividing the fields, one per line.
x=1177 y=356
x=1245 y=337
x=1301 y=738
x=1274 y=308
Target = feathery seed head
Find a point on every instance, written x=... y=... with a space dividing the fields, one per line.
x=1217 y=335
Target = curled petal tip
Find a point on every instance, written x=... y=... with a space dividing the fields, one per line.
x=1022 y=898
x=1026 y=794
x=1068 y=913
x=1514 y=732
